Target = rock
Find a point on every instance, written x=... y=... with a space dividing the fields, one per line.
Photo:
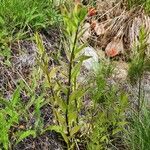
x=120 y=78
x=120 y=71
x=91 y=63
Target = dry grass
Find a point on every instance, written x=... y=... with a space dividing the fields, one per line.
x=116 y=24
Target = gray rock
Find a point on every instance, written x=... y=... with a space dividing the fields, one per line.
x=91 y=63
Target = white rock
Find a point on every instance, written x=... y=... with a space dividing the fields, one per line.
x=91 y=63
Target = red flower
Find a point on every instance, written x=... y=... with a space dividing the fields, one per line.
x=91 y=12
x=112 y=52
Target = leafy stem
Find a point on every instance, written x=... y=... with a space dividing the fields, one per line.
x=69 y=78
x=140 y=83
x=53 y=95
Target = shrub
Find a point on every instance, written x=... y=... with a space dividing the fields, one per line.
x=108 y=114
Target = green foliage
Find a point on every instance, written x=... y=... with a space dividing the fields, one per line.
x=10 y=112
x=19 y=15
x=66 y=108
x=139 y=64
x=104 y=71
x=108 y=114
x=19 y=18
x=24 y=134
x=108 y=124
x=104 y=119
x=14 y=110
x=135 y=2
x=144 y=3
x=35 y=100
x=139 y=130
x=5 y=52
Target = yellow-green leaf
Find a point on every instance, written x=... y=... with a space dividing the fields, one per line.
x=74 y=130
x=76 y=70
x=23 y=135
x=58 y=129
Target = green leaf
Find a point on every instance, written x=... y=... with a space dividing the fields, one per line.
x=4 y=137
x=74 y=130
x=62 y=104
x=54 y=128
x=78 y=93
x=117 y=130
x=25 y=134
x=30 y=103
x=2 y=22
x=39 y=43
x=66 y=50
x=14 y=117
x=81 y=58
x=58 y=129
x=76 y=70
x=60 y=118
x=5 y=102
x=16 y=97
x=53 y=71
x=72 y=115
x=79 y=49
x=63 y=88
x=82 y=14
x=70 y=25
x=81 y=32
x=104 y=138
x=38 y=25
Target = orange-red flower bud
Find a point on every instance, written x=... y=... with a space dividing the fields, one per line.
x=91 y=12
x=112 y=52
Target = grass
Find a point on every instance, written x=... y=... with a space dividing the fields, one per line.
x=18 y=15
x=10 y=112
x=20 y=19
x=139 y=131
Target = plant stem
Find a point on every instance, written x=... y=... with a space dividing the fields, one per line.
x=139 y=95
x=69 y=79
x=76 y=103
x=53 y=95
x=140 y=83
